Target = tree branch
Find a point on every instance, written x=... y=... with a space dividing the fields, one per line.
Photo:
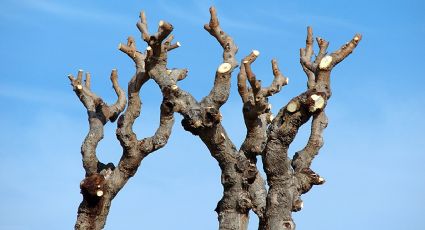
x=303 y=158
x=99 y=114
x=256 y=109
x=142 y=25
x=221 y=90
x=134 y=150
x=346 y=49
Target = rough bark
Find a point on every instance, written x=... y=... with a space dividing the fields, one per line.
x=244 y=189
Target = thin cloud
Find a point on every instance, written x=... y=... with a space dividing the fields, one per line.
x=300 y=19
x=73 y=12
x=36 y=95
x=199 y=15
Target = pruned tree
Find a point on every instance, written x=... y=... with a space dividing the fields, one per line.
x=244 y=189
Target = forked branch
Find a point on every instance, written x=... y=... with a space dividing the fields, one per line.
x=99 y=114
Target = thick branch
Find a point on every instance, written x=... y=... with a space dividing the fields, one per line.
x=323 y=47
x=307 y=52
x=160 y=138
x=303 y=158
x=256 y=110
x=346 y=49
x=242 y=88
x=278 y=82
x=221 y=90
x=134 y=150
x=142 y=25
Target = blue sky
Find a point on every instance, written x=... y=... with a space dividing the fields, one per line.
x=374 y=145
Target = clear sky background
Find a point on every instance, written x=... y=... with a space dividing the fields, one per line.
x=374 y=153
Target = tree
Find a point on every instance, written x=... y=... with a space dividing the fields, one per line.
x=268 y=137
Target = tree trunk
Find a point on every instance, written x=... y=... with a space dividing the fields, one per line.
x=92 y=213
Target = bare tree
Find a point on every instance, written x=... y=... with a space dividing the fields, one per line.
x=268 y=137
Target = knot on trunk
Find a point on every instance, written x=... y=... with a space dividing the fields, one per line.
x=211 y=116
x=198 y=119
x=288 y=225
x=307 y=178
x=194 y=126
x=314 y=177
x=244 y=203
x=228 y=179
x=247 y=169
x=297 y=205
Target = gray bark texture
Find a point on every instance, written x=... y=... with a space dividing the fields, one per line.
x=244 y=189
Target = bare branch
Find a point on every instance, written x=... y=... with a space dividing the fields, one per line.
x=346 y=49
x=87 y=81
x=160 y=138
x=323 y=46
x=255 y=84
x=278 y=82
x=131 y=50
x=221 y=89
x=302 y=159
x=307 y=52
x=173 y=46
x=242 y=88
x=142 y=25
x=177 y=74
x=99 y=114
x=168 y=44
x=164 y=29
x=119 y=105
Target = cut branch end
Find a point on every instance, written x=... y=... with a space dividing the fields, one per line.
x=224 y=67
x=99 y=193
x=319 y=102
x=223 y=136
x=292 y=106
x=326 y=62
x=270 y=118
